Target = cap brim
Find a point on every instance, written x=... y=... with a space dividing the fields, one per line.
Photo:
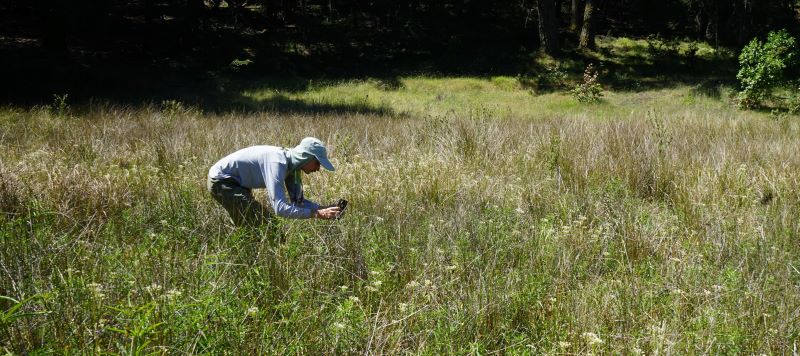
x=325 y=163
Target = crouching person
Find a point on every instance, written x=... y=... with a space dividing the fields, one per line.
x=278 y=170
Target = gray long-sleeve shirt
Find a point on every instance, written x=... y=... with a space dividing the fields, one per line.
x=265 y=167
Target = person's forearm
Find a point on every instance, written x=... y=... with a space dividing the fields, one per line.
x=308 y=204
x=291 y=211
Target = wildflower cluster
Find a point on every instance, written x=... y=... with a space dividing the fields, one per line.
x=97 y=291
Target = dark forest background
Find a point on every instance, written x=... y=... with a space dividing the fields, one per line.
x=95 y=48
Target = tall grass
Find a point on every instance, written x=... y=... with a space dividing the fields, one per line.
x=657 y=222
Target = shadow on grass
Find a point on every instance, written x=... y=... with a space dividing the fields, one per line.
x=712 y=88
x=33 y=77
x=282 y=104
x=632 y=71
x=638 y=75
x=210 y=91
x=216 y=89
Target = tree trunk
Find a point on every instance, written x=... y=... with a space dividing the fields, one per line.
x=548 y=26
x=700 y=14
x=54 y=19
x=587 y=31
x=576 y=18
x=712 y=27
x=742 y=20
x=150 y=11
x=194 y=14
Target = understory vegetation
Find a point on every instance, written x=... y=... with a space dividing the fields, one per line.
x=485 y=217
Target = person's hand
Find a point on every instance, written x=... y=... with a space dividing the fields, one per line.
x=326 y=213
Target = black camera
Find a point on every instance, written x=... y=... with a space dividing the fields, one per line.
x=342 y=204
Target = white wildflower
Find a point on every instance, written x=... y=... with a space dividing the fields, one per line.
x=412 y=284
x=172 y=294
x=97 y=290
x=592 y=339
x=153 y=288
x=252 y=310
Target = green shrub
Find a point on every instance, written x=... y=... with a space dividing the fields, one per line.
x=659 y=47
x=588 y=90
x=692 y=51
x=763 y=66
x=553 y=76
x=239 y=64
x=794 y=101
x=60 y=107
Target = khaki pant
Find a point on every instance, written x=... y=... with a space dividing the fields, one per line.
x=239 y=202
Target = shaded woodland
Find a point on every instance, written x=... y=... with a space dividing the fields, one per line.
x=91 y=48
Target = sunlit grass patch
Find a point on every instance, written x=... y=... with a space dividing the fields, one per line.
x=495 y=96
x=649 y=48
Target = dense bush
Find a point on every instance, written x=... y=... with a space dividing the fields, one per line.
x=763 y=67
x=589 y=89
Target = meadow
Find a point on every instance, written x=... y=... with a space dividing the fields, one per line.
x=485 y=218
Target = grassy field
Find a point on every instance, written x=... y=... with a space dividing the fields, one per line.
x=485 y=218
